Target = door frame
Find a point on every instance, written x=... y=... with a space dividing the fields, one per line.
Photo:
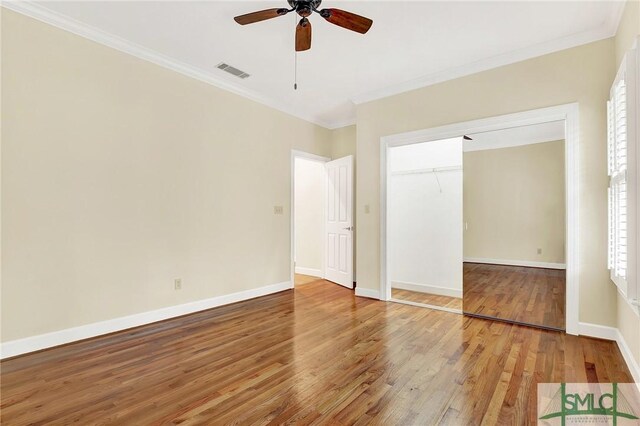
x=313 y=157
x=567 y=112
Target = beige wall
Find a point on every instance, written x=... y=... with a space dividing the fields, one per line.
x=309 y=213
x=514 y=203
x=119 y=176
x=343 y=142
x=582 y=74
x=628 y=320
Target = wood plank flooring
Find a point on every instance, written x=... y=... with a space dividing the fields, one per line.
x=426 y=298
x=314 y=355
x=301 y=279
x=527 y=295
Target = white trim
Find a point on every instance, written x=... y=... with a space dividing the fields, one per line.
x=424 y=288
x=309 y=156
x=58 y=20
x=614 y=334
x=56 y=338
x=598 y=331
x=338 y=124
x=426 y=305
x=511 y=262
x=607 y=30
x=569 y=113
x=634 y=368
x=292 y=229
x=613 y=20
x=309 y=271
x=367 y=292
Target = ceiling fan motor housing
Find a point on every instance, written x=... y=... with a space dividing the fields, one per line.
x=304 y=7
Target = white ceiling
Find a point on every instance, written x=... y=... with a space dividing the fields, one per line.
x=516 y=136
x=411 y=43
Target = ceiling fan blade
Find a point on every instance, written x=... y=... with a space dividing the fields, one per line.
x=261 y=15
x=347 y=20
x=303 y=35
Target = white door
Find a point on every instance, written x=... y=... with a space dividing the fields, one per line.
x=339 y=225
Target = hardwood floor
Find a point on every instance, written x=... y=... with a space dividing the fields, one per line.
x=527 y=295
x=301 y=279
x=316 y=354
x=426 y=298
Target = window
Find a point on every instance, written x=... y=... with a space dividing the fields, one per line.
x=618 y=207
x=622 y=140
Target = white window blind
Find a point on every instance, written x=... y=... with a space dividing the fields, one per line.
x=622 y=140
x=618 y=158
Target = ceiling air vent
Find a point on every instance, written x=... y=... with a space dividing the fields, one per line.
x=232 y=70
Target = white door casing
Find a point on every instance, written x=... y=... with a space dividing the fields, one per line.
x=570 y=114
x=339 y=221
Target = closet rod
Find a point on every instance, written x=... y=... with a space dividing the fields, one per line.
x=432 y=170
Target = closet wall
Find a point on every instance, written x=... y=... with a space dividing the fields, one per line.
x=425 y=217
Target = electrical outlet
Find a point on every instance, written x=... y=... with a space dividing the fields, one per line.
x=539 y=251
x=177 y=283
x=278 y=210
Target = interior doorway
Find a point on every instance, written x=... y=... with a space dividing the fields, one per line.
x=308 y=216
x=321 y=219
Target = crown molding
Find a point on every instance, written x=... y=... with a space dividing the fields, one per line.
x=40 y=13
x=342 y=123
x=608 y=29
x=36 y=11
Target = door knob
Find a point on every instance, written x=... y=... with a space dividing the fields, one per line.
x=350 y=228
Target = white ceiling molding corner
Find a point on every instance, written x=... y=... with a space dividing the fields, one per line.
x=613 y=20
x=35 y=11
x=340 y=124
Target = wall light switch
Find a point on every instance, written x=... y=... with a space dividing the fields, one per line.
x=278 y=210
x=539 y=251
x=367 y=209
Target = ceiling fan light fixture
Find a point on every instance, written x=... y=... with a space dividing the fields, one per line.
x=305 y=8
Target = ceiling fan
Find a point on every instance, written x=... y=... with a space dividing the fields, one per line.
x=305 y=8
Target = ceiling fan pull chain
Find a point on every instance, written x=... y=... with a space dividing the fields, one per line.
x=295 y=71
x=295 y=63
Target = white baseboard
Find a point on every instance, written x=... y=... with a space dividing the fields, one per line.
x=367 y=292
x=628 y=357
x=510 y=262
x=56 y=338
x=598 y=331
x=612 y=333
x=309 y=271
x=423 y=288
